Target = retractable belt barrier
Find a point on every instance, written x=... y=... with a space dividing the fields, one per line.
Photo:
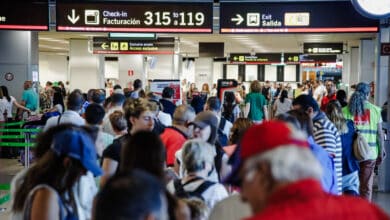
x=11 y=137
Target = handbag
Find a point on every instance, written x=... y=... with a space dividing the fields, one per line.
x=361 y=149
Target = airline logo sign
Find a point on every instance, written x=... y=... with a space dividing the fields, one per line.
x=103 y=45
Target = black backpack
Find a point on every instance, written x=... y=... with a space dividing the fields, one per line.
x=228 y=112
x=158 y=127
x=181 y=193
x=222 y=139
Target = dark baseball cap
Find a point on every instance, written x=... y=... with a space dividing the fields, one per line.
x=306 y=101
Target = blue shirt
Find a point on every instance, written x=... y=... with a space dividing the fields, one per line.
x=350 y=164
x=329 y=179
x=30 y=97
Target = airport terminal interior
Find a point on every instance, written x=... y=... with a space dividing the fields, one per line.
x=225 y=44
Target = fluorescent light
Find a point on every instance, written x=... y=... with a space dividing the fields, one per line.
x=133 y=35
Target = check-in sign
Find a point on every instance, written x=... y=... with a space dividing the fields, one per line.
x=104 y=45
x=135 y=16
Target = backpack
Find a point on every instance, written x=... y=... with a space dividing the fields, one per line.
x=158 y=127
x=222 y=139
x=228 y=112
x=181 y=193
x=361 y=149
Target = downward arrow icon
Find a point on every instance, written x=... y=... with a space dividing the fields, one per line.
x=74 y=18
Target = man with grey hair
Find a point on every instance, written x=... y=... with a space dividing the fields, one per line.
x=174 y=136
x=280 y=178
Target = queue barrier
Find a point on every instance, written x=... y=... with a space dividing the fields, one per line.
x=11 y=135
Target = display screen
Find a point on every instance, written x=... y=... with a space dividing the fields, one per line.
x=293 y=17
x=177 y=17
x=24 y=15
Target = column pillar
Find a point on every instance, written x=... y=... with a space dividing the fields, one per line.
x=83 y=66
x=19 y=56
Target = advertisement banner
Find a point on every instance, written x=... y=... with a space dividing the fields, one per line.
x=157 y=86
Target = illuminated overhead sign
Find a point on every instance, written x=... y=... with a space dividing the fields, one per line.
x=24 y=15
x=104 y=45
x=293 y=17
x=264 y=58
x=323 y=48
x=158 y=17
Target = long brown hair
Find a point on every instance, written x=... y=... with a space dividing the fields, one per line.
x=335 y=114
x=50 y=170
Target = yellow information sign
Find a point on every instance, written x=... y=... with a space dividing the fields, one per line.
x=124 y=46
x=114 y=46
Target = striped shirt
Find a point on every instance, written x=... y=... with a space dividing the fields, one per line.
x=326 y=135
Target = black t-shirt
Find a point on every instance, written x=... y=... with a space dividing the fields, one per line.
x=113 y=151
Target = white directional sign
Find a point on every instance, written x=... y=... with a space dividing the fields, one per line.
x=73 y=18
x=238 y=19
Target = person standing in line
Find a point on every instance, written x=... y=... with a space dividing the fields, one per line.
x=47 y=191
x=137 y=89
x=174 y=136
x=166 y=101
x=324 y=132
x=347 y=131
x=318 y=91
x=139 y=117
x=256 y=104
x=10 y=103
x=29 y=96
x=282 y=104
x=280 y=179
x=367 y=119
x=341 y=96
x=71 y=115
x=330 y=94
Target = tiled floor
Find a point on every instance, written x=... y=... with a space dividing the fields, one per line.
x=9 y=167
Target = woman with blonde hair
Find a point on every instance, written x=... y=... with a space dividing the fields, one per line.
x=139 y=116
x=350 y=165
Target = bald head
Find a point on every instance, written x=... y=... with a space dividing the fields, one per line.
x=183 y=114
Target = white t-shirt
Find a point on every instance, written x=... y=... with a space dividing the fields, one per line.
x=9 y=105
x=3 y=106
x=282 y=107
x=318 y=93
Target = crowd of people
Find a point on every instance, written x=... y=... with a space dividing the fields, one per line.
x=273 y=153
